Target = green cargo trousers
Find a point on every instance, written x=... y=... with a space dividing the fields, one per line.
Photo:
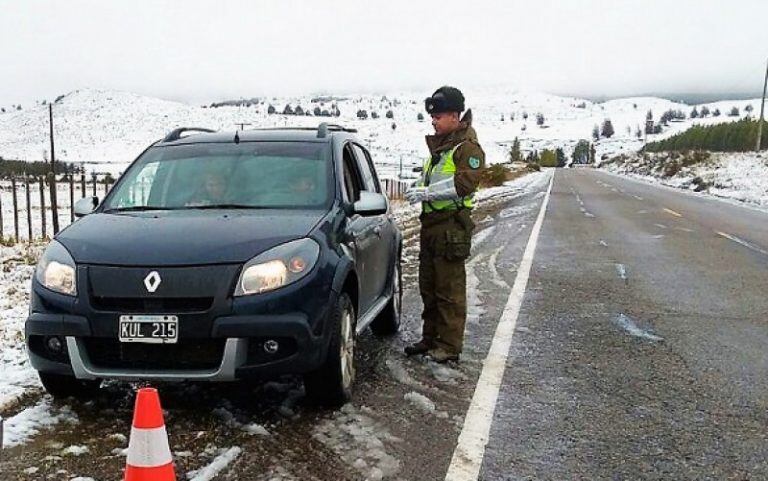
x=445 y=241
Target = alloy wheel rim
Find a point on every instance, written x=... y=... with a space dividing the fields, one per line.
x=347 y=354
x=397 y=301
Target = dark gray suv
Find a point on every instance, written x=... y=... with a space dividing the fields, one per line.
x=222 y=256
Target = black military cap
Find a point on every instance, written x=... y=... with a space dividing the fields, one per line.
x=445 y=99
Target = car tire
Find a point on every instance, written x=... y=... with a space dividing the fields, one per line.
x=62 y=387
x=388 y=321
x=331 y=385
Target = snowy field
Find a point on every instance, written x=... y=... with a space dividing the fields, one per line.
x=105 y=130
x=739 y=177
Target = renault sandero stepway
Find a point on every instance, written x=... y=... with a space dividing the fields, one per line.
x=221 y=256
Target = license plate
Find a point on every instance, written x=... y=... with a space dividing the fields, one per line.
x=149 y=329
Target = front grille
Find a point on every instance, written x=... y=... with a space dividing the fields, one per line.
x=187 y=354
x=156 y=305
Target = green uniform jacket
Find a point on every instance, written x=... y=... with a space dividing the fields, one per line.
x=467 y=174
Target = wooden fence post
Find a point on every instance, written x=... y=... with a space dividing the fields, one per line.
x=42 y=207
x=82 y=184
x=15 y=210
x=29 y=208
x=93 y=178
x=71 y=198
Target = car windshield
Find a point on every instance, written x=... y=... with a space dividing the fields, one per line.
x=249 y=175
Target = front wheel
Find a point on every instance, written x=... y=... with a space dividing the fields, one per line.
x=62 y=387
x=331 y=385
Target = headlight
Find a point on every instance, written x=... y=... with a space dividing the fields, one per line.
x=56 y=270
x=278 y=267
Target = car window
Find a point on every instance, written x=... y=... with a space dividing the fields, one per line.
x=252 y=174
x=363 y=161
x=352 y=182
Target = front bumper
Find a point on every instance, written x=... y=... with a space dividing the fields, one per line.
x=242 y=355
x=222 y=342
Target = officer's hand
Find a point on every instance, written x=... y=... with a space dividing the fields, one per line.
x=415 y=195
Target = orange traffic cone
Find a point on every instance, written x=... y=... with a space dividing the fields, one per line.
x=149 y=456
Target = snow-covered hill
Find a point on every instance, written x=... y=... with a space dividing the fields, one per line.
x=105 y=130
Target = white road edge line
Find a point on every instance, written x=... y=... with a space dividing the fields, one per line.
x=470 y=450
x=743 y=243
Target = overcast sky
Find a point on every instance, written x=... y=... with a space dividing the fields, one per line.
x=199 y=51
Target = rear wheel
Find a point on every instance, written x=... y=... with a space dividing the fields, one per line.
x=388 y=321
x=60 y=386
x=331 y=385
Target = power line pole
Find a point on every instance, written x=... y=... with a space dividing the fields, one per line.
x=54 y=204
x=762 y=110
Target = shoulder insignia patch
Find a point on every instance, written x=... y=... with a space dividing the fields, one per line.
x=474 y=162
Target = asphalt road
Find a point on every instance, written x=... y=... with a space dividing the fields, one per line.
x=640 y=351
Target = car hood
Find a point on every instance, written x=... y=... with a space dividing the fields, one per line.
x=184 y=237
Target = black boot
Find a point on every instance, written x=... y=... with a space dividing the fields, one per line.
x=420 y=347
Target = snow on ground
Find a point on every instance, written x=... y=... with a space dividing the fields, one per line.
x=105 y=130
x=224 y=458
x=421 y=402
x=15 y=277
x=360 y=441
x=32 y=420
x=737 y=176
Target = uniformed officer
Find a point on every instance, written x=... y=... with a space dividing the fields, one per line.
x=449 y=179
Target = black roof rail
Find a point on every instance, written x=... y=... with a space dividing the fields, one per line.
x=175 y=134
x=324 y=127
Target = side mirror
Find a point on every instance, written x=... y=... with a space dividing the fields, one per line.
x=371 y=203
x=85 y=206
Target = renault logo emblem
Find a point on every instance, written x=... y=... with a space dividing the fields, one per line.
x=152 y=281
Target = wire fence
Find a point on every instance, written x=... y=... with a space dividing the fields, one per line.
x=27 y=211
x=26 y=208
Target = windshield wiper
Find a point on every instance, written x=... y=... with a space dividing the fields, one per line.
x=225 y=206
x=137 y=208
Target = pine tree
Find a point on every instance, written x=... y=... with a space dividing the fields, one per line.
x=271 y=109
x=514 y=153
x=288 y=110
x=749 y=108
x=560 y=156
x=420 y=117
x=607 y=130
x=716 y=113
x=581 y=152
x=540 y=119
x=390 y=114
x=705 y=111
x=694 y=113
x=317 y=111
x=734 y=112
x=596 y=132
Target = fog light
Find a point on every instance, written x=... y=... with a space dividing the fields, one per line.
x=271 y=346
x=54 y=344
